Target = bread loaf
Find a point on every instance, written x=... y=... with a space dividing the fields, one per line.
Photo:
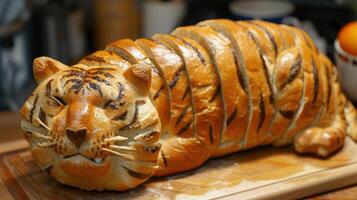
x=155 y=107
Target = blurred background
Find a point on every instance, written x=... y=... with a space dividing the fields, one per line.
x=69 y=29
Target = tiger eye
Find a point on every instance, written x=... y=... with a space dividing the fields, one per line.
x=60 y=100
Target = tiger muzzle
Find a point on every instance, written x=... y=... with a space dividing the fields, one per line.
x=77 y=137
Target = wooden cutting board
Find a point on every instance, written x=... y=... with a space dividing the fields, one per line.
x=261 y=173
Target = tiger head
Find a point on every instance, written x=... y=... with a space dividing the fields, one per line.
x=92 y=127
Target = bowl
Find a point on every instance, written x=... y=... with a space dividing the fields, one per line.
x=269 y=10
x=347 y=70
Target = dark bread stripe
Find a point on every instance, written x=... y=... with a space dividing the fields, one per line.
x=262 y=113
x=287 y=114
x=198 y=53
x=240 y=76
x=42 y=116
x=111 y=104
x=210 y=133
x=106 y=74
x=157 y=94
x=316 y=80
x=33 y=107
x=294 y=71
x=49 y=88
x=216 y=93
x=95 y=58
x=270 y=36
x=307 y=41
x=122 y=53
x=176 y=77
x=100 y=80
x=74 y=72
x=77 y=87
x=207 y=46
x=312 y=46
x=185 y=128
x=157 y=68
x=179 y=71
x=83 y=77
x=232 y=116
x=90 y=74
x=121 y=117
x=265 y=68
x=121 y=91
x=60 y=100
x=152 y=148
x=135 y=117
x=187 y=90
x=96 y=87
x=136 y=174
x=100 y=69
x=128 y=57
x=73 y=80
x=182 y=115
x=163 y=158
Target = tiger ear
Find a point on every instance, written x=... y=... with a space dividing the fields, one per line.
x=140 y=76
x=44 y=67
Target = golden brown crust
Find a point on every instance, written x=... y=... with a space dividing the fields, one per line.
x=105 y=58
x=267 y=56
x=223 y=59
x=256 y=85
x=325 y=139
x=308 y=108
x=330 y=97
x=217 y=88
x=117 y=151
x=208 y=112
x=207 y=107
x=174 y=73
x=289 y=85
x=322 y=141
x=278 y=38
x=180 y=133
x=159 y=93
x=139 y=75
x=44 y=67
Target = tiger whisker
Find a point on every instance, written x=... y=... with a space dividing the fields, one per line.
x=96 y=130
x=126 y=156
x=39 y=135
x=116 y=138
x=45 y=144
x=42 y=124
x=60 y=103
x=116 y=147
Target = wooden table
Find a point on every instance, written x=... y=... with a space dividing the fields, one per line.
x=10 y=131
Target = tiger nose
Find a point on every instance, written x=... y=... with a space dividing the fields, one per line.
x=77 y=137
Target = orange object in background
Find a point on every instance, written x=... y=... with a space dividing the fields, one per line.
x=347 y=37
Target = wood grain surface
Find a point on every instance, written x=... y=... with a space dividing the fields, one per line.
x=264 y=173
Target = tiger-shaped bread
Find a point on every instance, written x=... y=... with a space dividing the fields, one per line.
x=154 y=107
